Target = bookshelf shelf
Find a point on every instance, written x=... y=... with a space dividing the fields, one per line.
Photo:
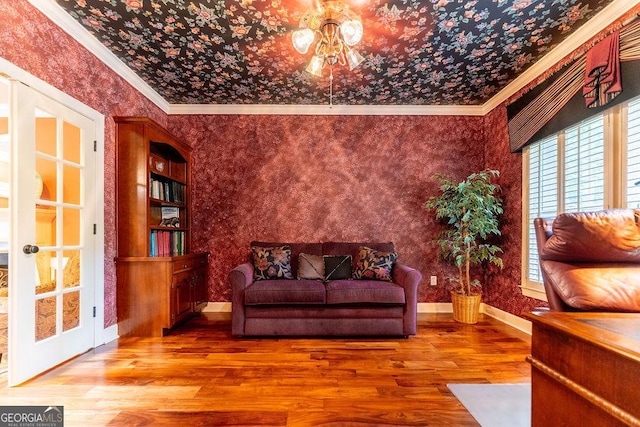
x=160 y=202
x=153 y=187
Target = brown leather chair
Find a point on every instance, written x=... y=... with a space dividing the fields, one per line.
x=590 y=261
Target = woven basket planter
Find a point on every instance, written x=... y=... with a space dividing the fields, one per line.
x=465 y=307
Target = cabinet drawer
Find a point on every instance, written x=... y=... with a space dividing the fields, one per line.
x=189 y=263
x=183 y=264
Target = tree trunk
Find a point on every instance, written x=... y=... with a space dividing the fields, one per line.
x=468 y=265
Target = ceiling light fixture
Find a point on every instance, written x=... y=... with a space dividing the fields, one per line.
x=336 y=30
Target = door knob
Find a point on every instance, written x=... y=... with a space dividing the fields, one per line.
x=30 y=249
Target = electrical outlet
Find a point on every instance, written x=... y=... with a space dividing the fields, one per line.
x=434 y=280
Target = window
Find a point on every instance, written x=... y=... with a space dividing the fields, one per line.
x=590 y=166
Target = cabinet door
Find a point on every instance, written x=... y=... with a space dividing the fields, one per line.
x=200 y=292
x=181 y=296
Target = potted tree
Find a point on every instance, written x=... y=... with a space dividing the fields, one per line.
x=470 y=209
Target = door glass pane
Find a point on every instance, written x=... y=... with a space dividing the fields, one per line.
x=71 y=142
x=71 y=227
x=46 y=133
x=70 y=310
x=45 y=225
x=47 y=171
x=45 y=277
x=71 y=269
x=71 y=186
x=45 y=317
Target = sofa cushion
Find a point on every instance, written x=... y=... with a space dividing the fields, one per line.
x=271 y=262
x=337 y=267
x=310 y=267
x=349 y=248
x=372 y=264
x=602 y=287
x=364 y=291
x=285 y=292
x=296 y=250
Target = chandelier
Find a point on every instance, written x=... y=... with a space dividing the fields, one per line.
x=335 y=30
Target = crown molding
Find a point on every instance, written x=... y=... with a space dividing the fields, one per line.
x=598 y=23
x=63 y=20
x=326 y=110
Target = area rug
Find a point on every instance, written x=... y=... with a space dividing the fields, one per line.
x=496 y=405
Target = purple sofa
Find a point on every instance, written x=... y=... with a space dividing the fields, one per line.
x=285 y=307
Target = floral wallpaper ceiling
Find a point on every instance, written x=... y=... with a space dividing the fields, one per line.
x=417 y=52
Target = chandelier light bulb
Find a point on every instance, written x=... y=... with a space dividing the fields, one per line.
x=302 y=39
x=353 y=58
x=351 y=31
x=315 y=65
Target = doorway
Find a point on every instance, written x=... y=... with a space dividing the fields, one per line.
x=5 y=180
x=52 y=228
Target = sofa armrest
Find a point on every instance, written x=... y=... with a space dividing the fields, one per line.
x=409 y=278
x=239 y=278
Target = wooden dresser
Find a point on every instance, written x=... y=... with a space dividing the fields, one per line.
x=585 y=369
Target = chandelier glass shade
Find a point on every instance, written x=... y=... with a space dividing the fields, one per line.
x=335 y=30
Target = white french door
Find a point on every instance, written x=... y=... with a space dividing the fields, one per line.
x=52 y=255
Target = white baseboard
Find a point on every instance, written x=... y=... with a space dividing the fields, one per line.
x=217 y=307
x=435 y=307
x=510 y=319
x=423 y=307
x=109 y=334
x=507 y=318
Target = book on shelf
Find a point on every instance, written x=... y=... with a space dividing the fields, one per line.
x=169 y=191
x=167 y=243
x=170 y=216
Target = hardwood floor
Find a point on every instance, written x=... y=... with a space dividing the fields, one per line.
x=201 y=376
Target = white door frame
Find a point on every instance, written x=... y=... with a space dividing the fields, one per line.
x=101 y=335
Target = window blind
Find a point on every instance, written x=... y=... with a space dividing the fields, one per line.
x=633 y=155
x=584 y=166
x=543 y=194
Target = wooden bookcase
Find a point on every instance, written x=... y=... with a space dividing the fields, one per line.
x=160 y=282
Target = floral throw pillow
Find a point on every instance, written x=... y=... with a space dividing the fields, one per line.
x=271 y=263
x=374 y=264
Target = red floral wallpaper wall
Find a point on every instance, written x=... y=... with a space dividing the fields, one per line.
x=502 y=287
x=321 y=178
x=31 y=41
